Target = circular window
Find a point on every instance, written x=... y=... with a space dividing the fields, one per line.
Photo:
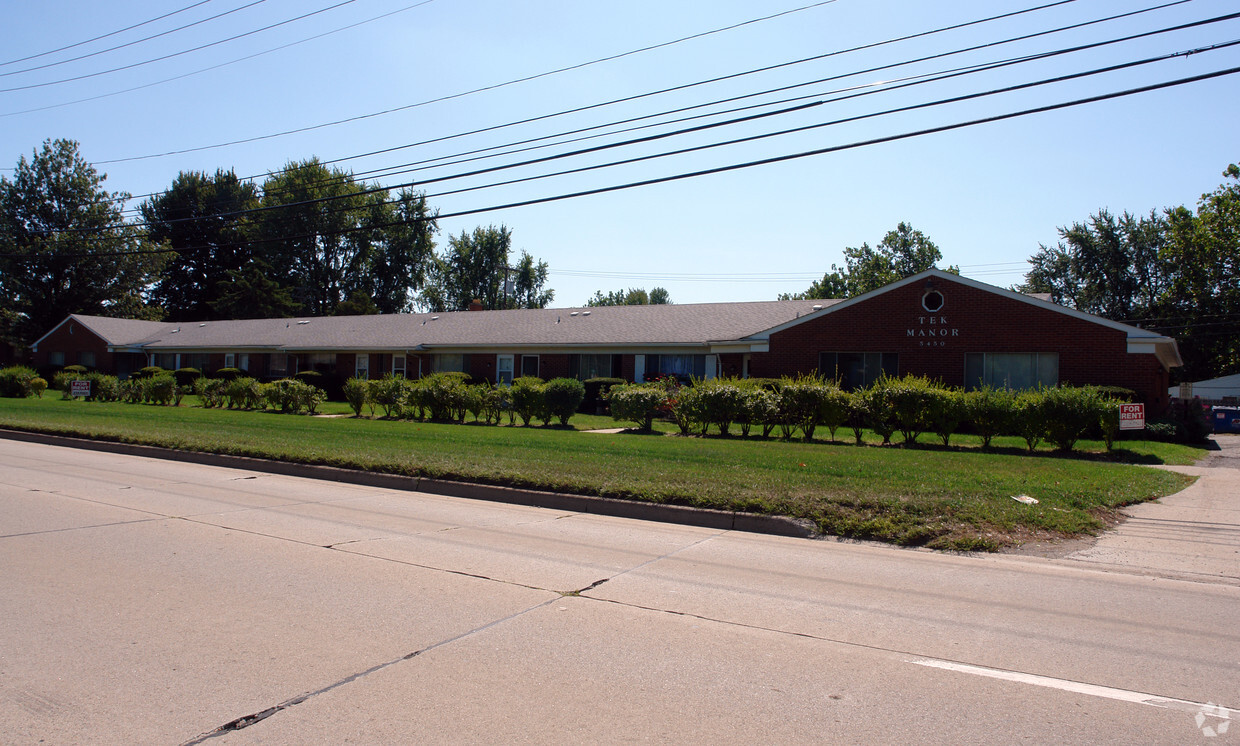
x=932 y=301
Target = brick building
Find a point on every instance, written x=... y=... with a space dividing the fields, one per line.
x=949 y=328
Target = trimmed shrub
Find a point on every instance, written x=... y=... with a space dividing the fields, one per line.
x=149 y=371
x=356 y=393
x=858 y=413
x=229 y=374
x=38 y=386
x=757 y=408
x=637 y=402
x=243 y=393
x=442 y=396
x=187 y=376
x=684 y=405
x=880 y=410
x=799 y=405
x=991 y=412
x=910 y=398
x=721 y=401
x=1068 y=413
x=75 y=369
x=390 y=393
x=292 y=396
x=562 y=397
x=1030 y=417
x=833 y=409
x=945 y=410
x=527 y=399
x=596 y=393
x=15 y=381
x=211 y=392
x=104 y=387
x=161 y=389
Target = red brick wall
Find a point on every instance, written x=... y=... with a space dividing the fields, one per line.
x=71 y=338
x=971 y=320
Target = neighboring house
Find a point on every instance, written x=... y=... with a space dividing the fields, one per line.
x=936 y=324
x=1225 y=390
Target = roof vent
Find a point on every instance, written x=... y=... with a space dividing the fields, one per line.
x=434 y=318
x=302 y=323
x=201 y=325
x=574 y=313
x=585 y=313
x=817 y=306
x=174 y=331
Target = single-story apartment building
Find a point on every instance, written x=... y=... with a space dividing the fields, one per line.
x=950 y=328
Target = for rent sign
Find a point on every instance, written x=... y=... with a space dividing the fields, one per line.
x=79 y=388
x=1132 y=417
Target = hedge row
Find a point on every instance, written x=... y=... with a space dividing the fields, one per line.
x=911 y=406
x=448 y=397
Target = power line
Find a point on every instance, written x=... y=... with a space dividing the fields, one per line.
x=704 y=172
x=1022 y=37
x=178 y=54
x=104 y=36
x=132 y=43
x=585 y=108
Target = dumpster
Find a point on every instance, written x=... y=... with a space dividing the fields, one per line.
x=1225 y=419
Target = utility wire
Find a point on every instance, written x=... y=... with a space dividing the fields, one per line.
x=178 y=54
x=218 y=66
x=593 y=106
x=1023 y=37
x=132 y=43
x=104 y=36
x=699 y=173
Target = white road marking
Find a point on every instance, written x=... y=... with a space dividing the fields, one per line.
x=1124 y=695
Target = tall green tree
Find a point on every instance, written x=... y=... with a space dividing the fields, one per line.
x=251 y=293
x=1202 y=302
x=475 y=266
x=65 y=246
x=632 y=297
x=202 y=217
x=403 y=252
x=1105 y=266
x=902 y=253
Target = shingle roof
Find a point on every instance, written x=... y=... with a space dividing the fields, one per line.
x=686 y=324
x=120 y=332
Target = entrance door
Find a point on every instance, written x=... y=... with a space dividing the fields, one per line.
x=503 y=369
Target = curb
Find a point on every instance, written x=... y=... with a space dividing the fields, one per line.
x=609 y=506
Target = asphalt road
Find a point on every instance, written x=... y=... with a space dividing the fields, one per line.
x=158 y=602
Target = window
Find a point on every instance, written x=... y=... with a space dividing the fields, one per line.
x=86 y=358
x=243 y=361
x=56 y=358
x=230 y=360
x=857 y=370
x=529 y=365
x=503 y=369
x=683 y=367
x=362 y=367
x=592 y=366
x=165 y=360
x=196 y=360
x=449 y=363
x=323 y=362
x=398 y=365
x=278 y=365
x=1011 y=370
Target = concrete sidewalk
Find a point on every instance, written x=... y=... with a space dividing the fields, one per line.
x=1191 y=535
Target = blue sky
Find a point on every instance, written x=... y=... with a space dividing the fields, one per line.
x=987 y=195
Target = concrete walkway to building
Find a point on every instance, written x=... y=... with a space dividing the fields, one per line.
x=1192 y=535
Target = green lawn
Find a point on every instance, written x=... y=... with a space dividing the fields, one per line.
x=957 y=497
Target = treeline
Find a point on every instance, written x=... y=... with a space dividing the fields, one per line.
x=1176 y=272
x=310 y=240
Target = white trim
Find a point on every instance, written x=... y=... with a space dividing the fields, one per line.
x=512 y=367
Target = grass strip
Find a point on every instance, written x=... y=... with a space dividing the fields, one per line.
x=956 y=498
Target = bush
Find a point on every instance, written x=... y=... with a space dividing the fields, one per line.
x=991 y=412
x=945 y=410
x=721 y=402
x=243 y=393
x=229 y=374
x=684 y=405
x=527 y=399
x=442 y=395
x=637 y=402
x=833 y=409
x=596 y=393
x=757 y=408
x=880 y=410
x=356 y=393
x=211 y=391
x=562 y=397
x=390 y=393
x=910 y=398
x=1068 y=413
x=15 y=381
x=1029 y=418
x=162 y=389
x=38 y=386
x=149 y=371
x=292 y=396
x=187 y=376
x=76 y=369
x=799 y=404
x=104 y=387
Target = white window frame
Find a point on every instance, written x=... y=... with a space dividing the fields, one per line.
x=230 y=360
x=361 y=366
x=399 y=369
x=500 y=360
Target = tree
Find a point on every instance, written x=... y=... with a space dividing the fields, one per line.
x=902 y=253
x=331 y=237
x=358 y=304
x=631 y=297
x=475 y=267
x=64 y=244
x=1202 y=303
x=251 y=293
x=1104 y=266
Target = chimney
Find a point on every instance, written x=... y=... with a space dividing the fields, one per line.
x=475 y=305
